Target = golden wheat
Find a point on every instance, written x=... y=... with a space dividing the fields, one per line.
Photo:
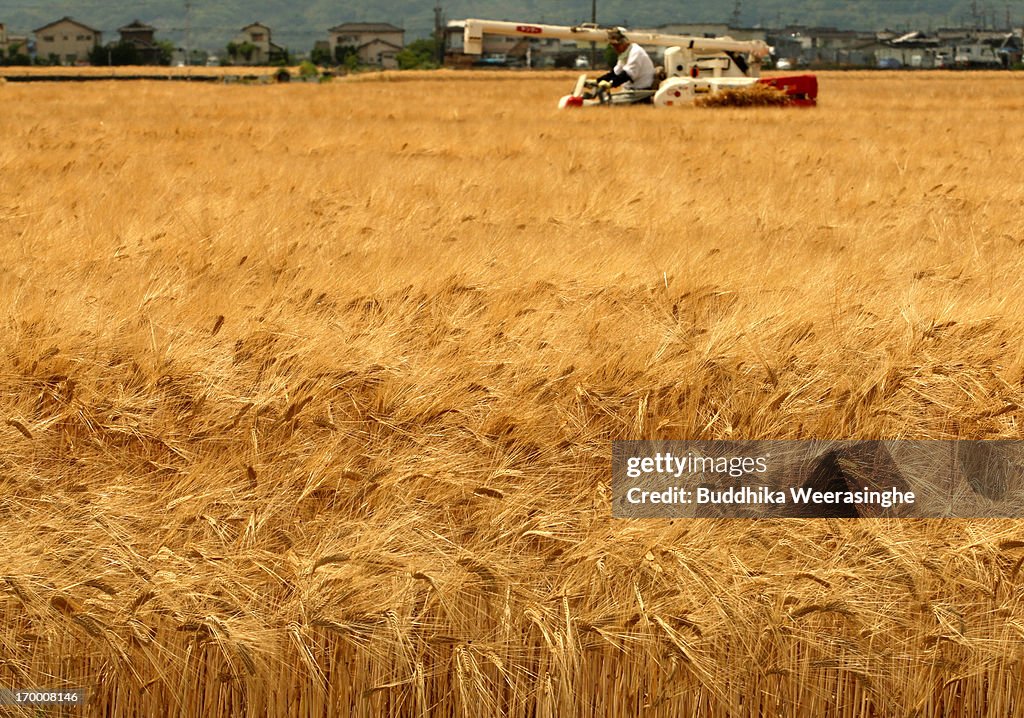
x=311 y=390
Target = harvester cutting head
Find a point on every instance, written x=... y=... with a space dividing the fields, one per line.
x=590 y=92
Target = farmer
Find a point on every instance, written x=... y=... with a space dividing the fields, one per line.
x=634 y=69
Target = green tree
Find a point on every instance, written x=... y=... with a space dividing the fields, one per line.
x=347 y=55
x=119 y=53
x=15 y=57
x=419 y=55
x=283 y=59
x=246 y=50
x=320 y=56
x=243 y=50
x=11 y=56
x=165 y=52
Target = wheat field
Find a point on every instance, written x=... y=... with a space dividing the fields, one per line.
x=307 y=395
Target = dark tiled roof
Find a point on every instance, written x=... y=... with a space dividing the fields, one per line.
x=136 y=25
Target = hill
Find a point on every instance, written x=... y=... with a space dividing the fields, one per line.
x=298 y=25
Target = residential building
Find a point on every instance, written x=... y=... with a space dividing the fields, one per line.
x=17 y=45
x=12 y=44
x=912 y=49
x=140 y=37
x=949 y=47
x=375 y=43
x=253 y=46
x=66 y=41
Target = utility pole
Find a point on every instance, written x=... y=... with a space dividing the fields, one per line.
x=439 y=33
x=188 y=32
x=737 y=11
x=593 y=45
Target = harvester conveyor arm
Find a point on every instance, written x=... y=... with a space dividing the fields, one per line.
x=476 y=29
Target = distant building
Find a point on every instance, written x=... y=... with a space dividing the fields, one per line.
x=10 y=43
x=253 y=46
x=375 y=43
x=816 y=46
x=66 y=41
x=140 y=36
x=912 y=49
x=950 y=47
x=17 y=45
x=322 y=48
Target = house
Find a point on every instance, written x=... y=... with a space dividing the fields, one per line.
x=375 y=43
x=140 y=37
x=830 y=46
x=253 y=46
x=1011 y=49
x=972 y=52
x=912 y=49
x=66 y=41
x=12 y=44
x=17 y=45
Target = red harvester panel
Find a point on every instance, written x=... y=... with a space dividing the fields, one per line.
x=802 y=89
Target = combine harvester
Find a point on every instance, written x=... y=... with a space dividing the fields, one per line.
x=695 y=67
